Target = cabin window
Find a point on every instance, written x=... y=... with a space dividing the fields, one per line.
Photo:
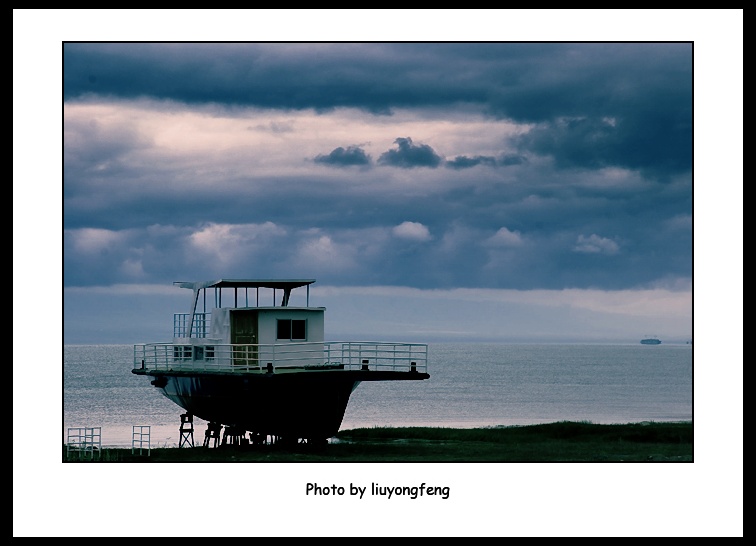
x=182 y=352
x=204 y=352
x=292 y=329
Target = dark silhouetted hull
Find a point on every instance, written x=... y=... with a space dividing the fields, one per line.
x=307 y=405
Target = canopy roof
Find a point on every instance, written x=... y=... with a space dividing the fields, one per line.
x=286 y=284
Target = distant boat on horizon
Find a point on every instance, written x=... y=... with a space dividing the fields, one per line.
x=651 y=341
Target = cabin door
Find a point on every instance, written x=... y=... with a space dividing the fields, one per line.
x=244 y=337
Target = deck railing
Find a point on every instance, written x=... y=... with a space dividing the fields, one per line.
x=262 y=358
x=200 y=325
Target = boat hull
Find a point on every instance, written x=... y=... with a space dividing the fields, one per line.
x=305 y=405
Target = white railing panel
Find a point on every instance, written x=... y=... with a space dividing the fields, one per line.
x=140 y=439
x=200 y=325
x=267 y=357
x=84 y=442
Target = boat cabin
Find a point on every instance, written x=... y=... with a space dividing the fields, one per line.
x=260 y=326
x=233 y=312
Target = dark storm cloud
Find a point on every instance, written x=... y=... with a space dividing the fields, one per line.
x=508 y=160
x=463 y=162
x=374 y=77
x=615 y=104
x=351 y=155
x=655 y=143
x=408 y=155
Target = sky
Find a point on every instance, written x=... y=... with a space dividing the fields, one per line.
x=445 y=175
x=497 y=190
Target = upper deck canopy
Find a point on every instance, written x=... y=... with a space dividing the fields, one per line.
x=285 y=284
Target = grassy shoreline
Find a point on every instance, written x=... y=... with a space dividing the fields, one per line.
x=564 y=441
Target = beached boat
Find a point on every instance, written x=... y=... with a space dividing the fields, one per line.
x=267 y=370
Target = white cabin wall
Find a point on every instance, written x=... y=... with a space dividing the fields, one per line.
x=220 y=325
x=316 y=326
x=267 y=327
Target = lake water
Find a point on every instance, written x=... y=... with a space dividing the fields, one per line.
x=470 y=385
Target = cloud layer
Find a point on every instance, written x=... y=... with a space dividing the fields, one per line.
x=428 y=165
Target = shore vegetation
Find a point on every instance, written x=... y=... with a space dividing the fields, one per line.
x=564 y=441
